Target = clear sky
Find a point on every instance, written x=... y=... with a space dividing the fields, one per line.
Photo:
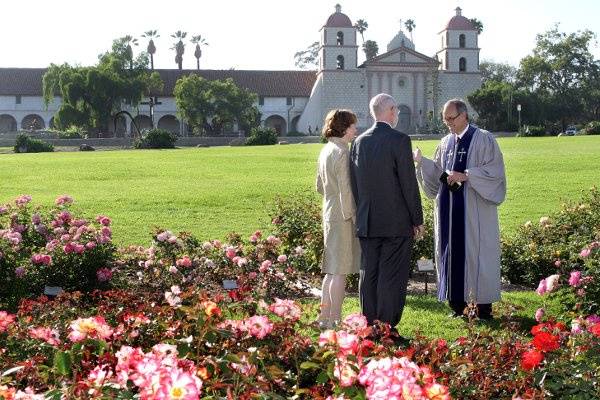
x=265 y=34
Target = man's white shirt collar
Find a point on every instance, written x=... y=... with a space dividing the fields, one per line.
x=463 y=132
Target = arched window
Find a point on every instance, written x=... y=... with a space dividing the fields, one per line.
x=340 y=62
x=462 y=41
x=462 y=64
x=340 y=38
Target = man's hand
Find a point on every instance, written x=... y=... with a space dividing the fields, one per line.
x=419 y=231
x=456 y=176
x=417 y=155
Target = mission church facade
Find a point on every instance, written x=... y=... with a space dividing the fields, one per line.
x=299 y=100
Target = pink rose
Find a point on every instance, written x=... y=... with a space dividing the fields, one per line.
x=539 y=314
x=282 y=258
x=329 y=337
x=584 y=253
x=104 y=274
x=575 y=278
x=258 y=326
x=347 y=342
x=103 y=220
x=230 y=252
x=286 y=309
x=63 y=200
x=541 y=289
x=185 y=261
x=264 y=266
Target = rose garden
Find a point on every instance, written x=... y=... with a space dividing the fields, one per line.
x=86 y=314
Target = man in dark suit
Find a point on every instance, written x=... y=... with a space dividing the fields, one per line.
x=388 y=212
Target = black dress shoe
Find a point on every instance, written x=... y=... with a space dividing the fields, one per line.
x=486 y=317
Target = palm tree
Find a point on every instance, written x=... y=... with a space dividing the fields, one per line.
x=410 y=25
x=370 y=48
x=477 y=24
x=361 y=26
x=198 y=41
x=151 y=47
x=129 y=40
x=179 y=47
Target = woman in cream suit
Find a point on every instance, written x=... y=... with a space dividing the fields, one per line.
x=342 y=249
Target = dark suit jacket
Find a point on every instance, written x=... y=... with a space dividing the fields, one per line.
x=384 y=183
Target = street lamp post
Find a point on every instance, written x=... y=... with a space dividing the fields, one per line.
x=519 y=110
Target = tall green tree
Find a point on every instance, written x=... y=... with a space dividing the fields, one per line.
x=151 y=49
x=477 y=24
x=410 y=26
x=91 y=95
x=499 y=72
x=198 y=40
x=361 y=26
x=308 y=58
x=370 y=48
x=210 y=106
x=563 y=69
x=179 y=47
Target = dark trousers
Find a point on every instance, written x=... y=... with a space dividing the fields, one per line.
x=484 y=310
x=385 y=266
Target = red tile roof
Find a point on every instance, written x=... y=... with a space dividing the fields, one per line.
x=338 y=20
x=460 y=23
x=28 y=81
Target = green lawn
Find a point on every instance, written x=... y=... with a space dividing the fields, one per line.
x=212 y=191
x=424 y=315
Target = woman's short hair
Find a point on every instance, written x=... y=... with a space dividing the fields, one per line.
x=337 y=121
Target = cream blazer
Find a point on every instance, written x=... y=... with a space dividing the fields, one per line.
x=342 y=249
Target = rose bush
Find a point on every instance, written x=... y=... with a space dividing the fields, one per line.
x=157 y=322
x=51 y=248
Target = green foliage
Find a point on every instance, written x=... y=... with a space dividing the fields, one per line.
x=261 y=137
x=72 y=132
x=228 y=185
x=370 y=48
x=592 y=128
x=90 y=95
x=209 y=106
x=296 y=219
x=496 y=106
x=50 y=248
x=25 y=144
x=532 y=131
x=156 y=139
x=532 y=253
x=308 y=58
x=499 y=72
x=563 y=69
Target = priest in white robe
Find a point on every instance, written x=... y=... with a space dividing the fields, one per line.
x=466 y=178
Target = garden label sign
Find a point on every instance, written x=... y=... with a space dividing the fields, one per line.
x=52 y=290
x=425 y=265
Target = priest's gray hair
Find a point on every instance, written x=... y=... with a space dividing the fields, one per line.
x=379 y=103
x=459 y=105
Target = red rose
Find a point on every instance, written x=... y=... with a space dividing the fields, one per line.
x=541 y=328
x=531 y=359
x=595 y=329
x=545 y=341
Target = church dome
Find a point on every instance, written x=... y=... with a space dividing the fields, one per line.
x=459 y=22
x=338 y=19
x=400 y=40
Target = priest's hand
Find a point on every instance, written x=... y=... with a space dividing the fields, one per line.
x=419 y=231
x=456 y=176
x=417 y=155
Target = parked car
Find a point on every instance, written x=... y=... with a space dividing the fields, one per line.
x=571 y=130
